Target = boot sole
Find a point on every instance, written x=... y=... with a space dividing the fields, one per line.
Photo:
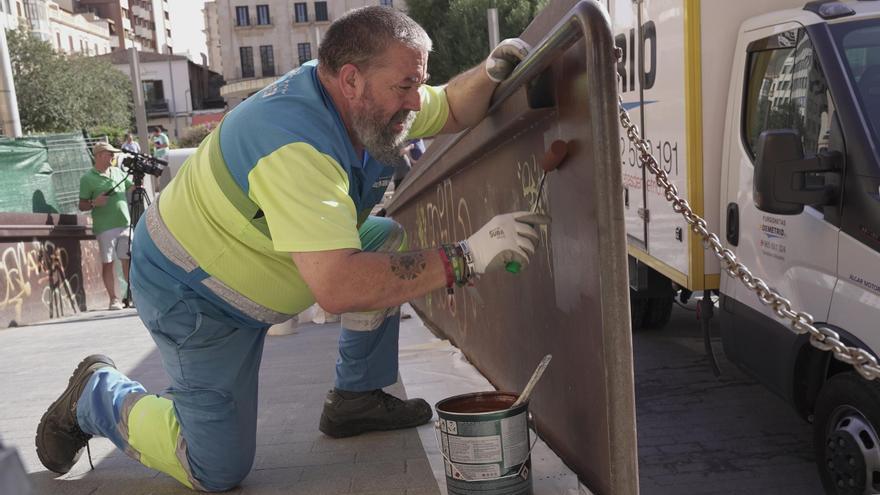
x=76 y=378
x=350 y=429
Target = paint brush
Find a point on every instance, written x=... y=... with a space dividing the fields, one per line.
x=524 y=396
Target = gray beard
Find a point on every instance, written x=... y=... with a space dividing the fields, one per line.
x=380 y=140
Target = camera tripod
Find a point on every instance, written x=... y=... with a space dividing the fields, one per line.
x=138 y=204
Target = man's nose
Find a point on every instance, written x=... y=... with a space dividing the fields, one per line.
x=413 y=100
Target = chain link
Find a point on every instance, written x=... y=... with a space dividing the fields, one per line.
x=822 y=338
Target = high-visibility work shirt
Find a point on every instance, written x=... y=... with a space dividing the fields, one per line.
x=115 y=212
x=279 y=175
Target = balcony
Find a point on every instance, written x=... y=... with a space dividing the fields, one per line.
x=141 y=12
x=252 y=24
x=156 y=108
x=144 y=32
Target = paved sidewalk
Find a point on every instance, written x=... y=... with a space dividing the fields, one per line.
x=293 y=457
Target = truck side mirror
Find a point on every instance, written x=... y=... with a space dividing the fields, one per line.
x=780 y=182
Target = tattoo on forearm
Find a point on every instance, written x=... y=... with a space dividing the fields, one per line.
x=408 y=266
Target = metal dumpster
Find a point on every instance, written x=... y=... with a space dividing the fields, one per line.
x=572 y=300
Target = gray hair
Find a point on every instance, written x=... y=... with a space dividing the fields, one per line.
x=361 y=36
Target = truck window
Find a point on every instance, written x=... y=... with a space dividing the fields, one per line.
x=860 y=44
x=786 y=89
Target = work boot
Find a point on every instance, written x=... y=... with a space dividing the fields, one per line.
x=351 y=413
x=59 y=438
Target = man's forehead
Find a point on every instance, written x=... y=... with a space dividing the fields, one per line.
x=405 y=63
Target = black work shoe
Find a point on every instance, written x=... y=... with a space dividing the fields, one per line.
x=370 y=411
x=59 y=438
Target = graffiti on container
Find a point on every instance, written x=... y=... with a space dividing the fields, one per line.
x=37 y=267
x=443 y=220
x=529 y=174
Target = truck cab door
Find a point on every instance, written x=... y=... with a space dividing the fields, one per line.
x=783 y=87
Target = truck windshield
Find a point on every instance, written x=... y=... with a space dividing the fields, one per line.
x=860 y=43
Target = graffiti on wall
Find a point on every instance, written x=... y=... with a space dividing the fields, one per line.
x=40 y=270
x=445 y=217
x=529 y=175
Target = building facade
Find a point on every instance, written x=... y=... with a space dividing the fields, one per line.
x=144 y=24
x=212 y=37
x=57 y=24
x=263 y=39
x=84 y=34
x=175 y=89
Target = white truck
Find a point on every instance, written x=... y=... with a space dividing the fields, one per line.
x=765 y=114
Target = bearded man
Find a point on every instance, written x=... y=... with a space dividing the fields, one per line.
x=270 y=215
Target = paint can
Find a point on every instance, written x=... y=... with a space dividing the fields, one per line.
x=485 y=444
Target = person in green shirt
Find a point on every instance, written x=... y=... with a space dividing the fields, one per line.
x=102 y=191
x=160 y=143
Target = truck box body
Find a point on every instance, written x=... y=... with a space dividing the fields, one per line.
x=680 y=105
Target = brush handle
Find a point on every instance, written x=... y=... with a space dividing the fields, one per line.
x=524 y=396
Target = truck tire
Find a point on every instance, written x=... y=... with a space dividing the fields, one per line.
x=659 y=311
x=845 y=439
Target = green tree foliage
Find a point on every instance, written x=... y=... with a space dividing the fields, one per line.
x=57 y=93
x=115 y=135
x=459 y=30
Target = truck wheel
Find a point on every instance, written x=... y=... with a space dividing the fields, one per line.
x=845 y=438
x=659 y=311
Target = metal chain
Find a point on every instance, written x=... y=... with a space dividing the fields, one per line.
x=800 y=322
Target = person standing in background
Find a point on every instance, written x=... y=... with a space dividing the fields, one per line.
x=130 y=144
x=160 y=143
x=102 y=191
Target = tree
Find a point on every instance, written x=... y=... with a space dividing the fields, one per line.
x=460 y=32
x=57 y=93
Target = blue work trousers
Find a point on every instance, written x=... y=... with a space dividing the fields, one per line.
x=213 y=361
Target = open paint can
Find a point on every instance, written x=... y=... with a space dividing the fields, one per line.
x=485 y=444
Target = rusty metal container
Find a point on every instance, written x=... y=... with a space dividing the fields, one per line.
x=572 y=301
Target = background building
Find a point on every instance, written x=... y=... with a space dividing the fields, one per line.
x=56 y=23
x=175 y=89
x=263 y=39
x=84 y=34
x=146 y=23
x=212 y=36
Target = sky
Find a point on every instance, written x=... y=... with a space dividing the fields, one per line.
x=187 y=23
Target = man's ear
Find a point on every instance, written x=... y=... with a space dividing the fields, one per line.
x=351 y=81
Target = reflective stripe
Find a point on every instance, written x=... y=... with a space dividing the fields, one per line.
x=177 y=254
x=154 y=432
x=245 y=305
x=165 y=241
x=231 y=189
x=367 y=321
x=127 y=405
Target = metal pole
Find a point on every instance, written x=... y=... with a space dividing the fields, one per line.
x=173 y=112
x=140 y=112
x=9 y=118
x=137 y=91
x=492 y=15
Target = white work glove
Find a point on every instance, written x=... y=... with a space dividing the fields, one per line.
x=505 y=57
x=506 y=238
